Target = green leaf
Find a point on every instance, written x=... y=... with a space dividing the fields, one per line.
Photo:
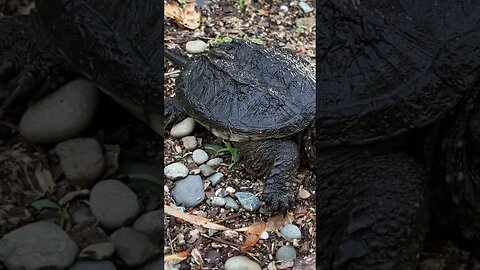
x=44 y=204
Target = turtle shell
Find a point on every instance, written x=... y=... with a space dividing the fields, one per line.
x=243 y=91
x=387 y=67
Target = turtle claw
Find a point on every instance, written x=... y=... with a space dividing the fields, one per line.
x=278 y=201
x=172 y=111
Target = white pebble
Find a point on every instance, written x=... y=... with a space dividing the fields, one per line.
x=184 y=128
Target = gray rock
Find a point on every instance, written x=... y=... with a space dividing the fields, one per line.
x=215 y=162
x=248 y=200
x=212 y=257
x=113 y=203
x=221 y=192
x=98 y=251
x=206 y=170
x=286 y=253
x=183 y=128
x=155 y=265
x=216 y=178
x=200 y=156
x=150 y=224
x=39 y=245
x=241 y=263
x=189 y=191
x=196 y=46
x=82 y=160
x=291 y=232
x=93 y=265
x=218 y=201
x=307 y=22
x=132 y=247
x=62 y=115
x=305 y=7
x=231 y=204
x=190 y=143
x=175 y=171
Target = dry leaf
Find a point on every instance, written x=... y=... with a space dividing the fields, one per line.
x=72 y=195
x=276 y=222
x=191 y=18
x=253 y=234
x=44 y=178
x=171 y=260
x=193 y=219
x=186 y=16
x=111 y=153
x=197 y=257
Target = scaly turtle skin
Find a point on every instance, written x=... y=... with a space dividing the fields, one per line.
x=259 y=97
x=398 y=124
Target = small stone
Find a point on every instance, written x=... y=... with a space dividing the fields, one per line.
x=82 y=161
x=216 y=178
x=98 y=251
x=230 y=203
x=39 y=245
x=218 y=201
x=303 y=194
x=221 y=192
x=132 y=247
x=190 y=143
x=175 y=171
x=230 y=190
x=193 y=236
x=215 y=162
x=196 y=46
x=229 y=234
x=113 y=203
x=307 y=22
x=291 y=232
x=200 y=156
x=201 y=213
x=62 y=115
x=286 y=253
x=248 y=200
x=241 y=263
x=195 y=171
x=284 y=8
x=151 y=224
x=93 y=265
x=206 y=170
x=264 y=235
x=184 y=128
x=212 y=257
x=305 y=7
x=189 y=191
x=80 y=213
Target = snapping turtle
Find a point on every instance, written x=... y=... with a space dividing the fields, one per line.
x=116 y=44
x=398 y=125
x=260 y=98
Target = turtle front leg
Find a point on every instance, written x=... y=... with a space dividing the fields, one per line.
x=278 y=160
x=28 y=59
x=372 y=210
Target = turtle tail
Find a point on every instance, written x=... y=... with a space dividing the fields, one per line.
x=176 y=58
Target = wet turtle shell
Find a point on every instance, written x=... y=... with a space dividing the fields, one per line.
x=387 y=67
x=243 y=91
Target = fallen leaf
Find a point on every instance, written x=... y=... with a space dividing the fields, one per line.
x=186 y=16
x=171 y=260
x=44 y=178
x=111 y=153
x=276 y=222
x=253 y=233
x=193 y=219
x=72 y=195
x=197 y=257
